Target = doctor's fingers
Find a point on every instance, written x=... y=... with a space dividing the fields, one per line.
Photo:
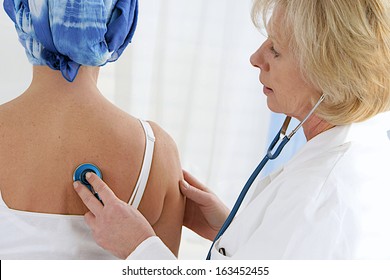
x=90 y=219
x=194 y=182
x=199 y=196
x=105 y=193
x=92 y=203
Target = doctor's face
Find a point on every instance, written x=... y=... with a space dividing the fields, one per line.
x=285 y=88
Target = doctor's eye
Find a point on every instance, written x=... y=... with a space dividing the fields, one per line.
x=274 y=52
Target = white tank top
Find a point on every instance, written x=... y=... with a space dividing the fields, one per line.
x=32 y=235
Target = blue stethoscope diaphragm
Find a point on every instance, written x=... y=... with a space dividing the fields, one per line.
x=81 y=171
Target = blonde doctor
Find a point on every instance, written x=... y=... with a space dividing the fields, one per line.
x=331 y=201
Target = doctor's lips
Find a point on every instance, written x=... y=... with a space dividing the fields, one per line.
x=267 y=90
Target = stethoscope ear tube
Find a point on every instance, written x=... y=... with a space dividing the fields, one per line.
x=269 y=156
x=273 y=155
x=256 y=172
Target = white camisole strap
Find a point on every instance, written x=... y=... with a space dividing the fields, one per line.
x=139 y=189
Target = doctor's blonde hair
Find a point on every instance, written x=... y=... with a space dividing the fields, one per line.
x=342 y=48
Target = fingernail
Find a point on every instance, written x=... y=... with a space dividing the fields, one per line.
x=75 y=184
x=184 y=184
x=88 y=175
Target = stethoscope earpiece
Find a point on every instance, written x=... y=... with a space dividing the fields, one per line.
x=82 y=170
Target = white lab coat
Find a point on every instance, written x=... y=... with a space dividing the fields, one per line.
x=331 y=201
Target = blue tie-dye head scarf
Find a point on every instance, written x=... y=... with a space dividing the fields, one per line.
x=65 y=34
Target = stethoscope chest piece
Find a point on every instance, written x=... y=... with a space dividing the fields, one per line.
x=82 y=170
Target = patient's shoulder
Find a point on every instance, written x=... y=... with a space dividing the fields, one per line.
x=162 y=136
x=166 y=162
x=165 y=176
x=165 y=172
x=166 y=154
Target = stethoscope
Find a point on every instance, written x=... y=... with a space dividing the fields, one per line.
x=283 y=139
x=81 y=171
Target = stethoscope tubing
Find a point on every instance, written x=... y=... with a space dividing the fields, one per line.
x=283 y=139
x=248 y=184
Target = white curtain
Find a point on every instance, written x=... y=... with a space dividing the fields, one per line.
x=188 y=70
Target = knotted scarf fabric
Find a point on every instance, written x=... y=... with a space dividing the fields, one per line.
x=65 y=34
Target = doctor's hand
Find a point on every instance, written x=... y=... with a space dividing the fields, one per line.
x=205 y=213
x=117 y=227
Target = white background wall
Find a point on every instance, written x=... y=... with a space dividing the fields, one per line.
x=187 y=69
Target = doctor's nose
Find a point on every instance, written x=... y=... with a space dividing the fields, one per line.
x=258 y=59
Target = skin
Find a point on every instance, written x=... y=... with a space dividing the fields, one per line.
x=55 y=125
x=99 y=219
x=119 y=228
x=286 y=91
x=205 y=213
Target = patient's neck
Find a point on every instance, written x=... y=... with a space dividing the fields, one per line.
x=49 y=84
